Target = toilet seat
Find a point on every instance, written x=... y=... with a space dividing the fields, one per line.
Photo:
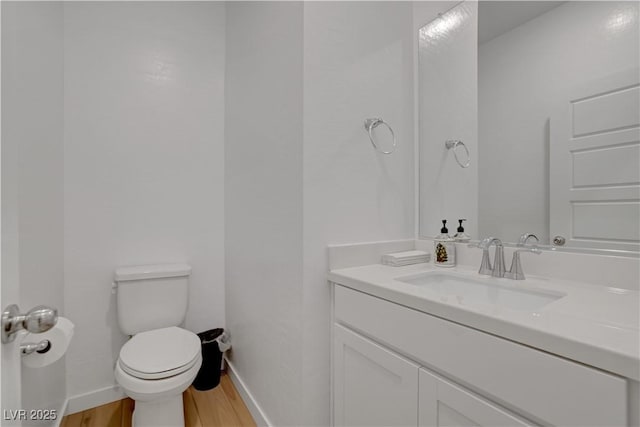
x=160 y=353
x=142 y=390
x=157 y=375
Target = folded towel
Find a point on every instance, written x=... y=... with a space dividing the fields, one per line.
x=406 y=254
x=399 y=259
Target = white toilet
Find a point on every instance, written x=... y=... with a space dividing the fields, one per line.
x=160 y=360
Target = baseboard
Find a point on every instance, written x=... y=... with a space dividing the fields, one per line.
x=61 y=413
x=94 y=398
x=256 y=411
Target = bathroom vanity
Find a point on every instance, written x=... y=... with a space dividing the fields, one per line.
x=503 y=143
x=424 y=346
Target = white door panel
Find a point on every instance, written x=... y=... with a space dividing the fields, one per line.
x=9 y=274
x=595 y=165
x=606 y=112
x=587 y=170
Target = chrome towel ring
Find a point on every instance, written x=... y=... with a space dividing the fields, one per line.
x=452 y=144
x=370 y=125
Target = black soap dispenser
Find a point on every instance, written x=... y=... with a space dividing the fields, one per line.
x=461 y=236
x=444 y=248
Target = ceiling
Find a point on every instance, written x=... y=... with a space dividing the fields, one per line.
x=498 y=17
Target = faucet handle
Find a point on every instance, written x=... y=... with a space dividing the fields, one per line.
x=485 y=265
x=515 y=272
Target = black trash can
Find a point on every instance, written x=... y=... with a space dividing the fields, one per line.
x=209 y=374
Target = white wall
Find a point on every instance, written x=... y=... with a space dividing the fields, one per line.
x=447 y=105
x=144 y=163
x=263 y=183
x=523 y=75
x=358 y=63
x=32 y=141
x=423 y=13
x=296 y=181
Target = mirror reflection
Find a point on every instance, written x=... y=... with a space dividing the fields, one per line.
x=545 y=98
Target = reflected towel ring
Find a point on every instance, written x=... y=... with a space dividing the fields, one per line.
x=452 y=144
x=370 y=125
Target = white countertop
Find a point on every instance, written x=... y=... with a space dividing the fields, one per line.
x=595 y=325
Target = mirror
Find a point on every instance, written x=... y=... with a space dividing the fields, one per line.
x=545 y=97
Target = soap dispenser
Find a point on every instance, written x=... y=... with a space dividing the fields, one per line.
x=461 y=236
x=444 y=248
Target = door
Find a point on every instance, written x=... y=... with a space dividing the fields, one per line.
x=594 y=169
x=444 y=404
x=9 y=271
x=372 y=385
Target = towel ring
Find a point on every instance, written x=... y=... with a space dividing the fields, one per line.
x=452 y=144
x=370 y=125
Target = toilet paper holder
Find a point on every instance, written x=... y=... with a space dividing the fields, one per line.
x=31 y=347
x=37 y=320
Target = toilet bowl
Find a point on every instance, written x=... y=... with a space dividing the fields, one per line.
x=154 y=369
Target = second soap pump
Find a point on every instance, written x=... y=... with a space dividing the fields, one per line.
x=461 y=236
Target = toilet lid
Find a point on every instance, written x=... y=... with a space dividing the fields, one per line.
x=160 y=353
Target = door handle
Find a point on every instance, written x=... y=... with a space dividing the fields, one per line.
x=37 y=320
x=559 y=241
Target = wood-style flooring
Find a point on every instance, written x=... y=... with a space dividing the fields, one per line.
x=219 y=407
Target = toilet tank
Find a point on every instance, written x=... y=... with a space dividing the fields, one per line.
x=151 y=296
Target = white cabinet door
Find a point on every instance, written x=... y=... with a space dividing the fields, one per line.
x=372 y=385
x=443 y=403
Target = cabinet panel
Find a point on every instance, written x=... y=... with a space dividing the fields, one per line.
x=536 y=384
x=372 y=385
x=444 y=404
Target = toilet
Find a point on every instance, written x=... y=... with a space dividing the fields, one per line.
x=161 y=359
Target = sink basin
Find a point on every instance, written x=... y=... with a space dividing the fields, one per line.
x=482 y=291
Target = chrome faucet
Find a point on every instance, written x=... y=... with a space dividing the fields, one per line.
x=498 y=260
x=515 y=272
x=525 y=238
